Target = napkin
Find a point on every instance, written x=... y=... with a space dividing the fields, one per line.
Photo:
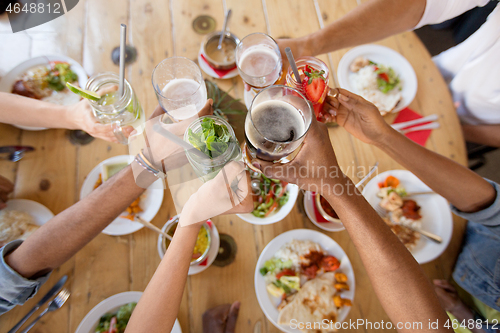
x=317 y=214
x=419 y=137
x=204 y=262
x=219 y=72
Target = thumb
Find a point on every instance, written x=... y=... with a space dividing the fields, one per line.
x=232 y=317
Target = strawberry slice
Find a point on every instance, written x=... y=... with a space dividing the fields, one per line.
x=314 y=85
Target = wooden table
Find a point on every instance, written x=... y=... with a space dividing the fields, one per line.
x=54 y=173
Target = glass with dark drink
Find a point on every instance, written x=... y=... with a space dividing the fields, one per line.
x=277 y=123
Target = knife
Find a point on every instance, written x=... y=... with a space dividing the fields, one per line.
x=55 y=289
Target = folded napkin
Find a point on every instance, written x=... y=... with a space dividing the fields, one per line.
x=317 y=214
x=219 y=72
x=419 y=137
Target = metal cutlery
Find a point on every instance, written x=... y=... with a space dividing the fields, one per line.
x=55 y=304
x=15 y=152
x=429 y=126
x=383 y=213
x=54 y=290
x=410 y=194
x=399 y=126
x=372 y=170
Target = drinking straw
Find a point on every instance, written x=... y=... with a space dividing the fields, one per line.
x=175 y=139
x=295 y=70
x=123 y=43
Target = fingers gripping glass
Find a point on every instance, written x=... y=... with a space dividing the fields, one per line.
x=277 y=123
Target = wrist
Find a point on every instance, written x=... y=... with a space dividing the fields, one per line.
x=387 y=138
x=339 y=190
x=71 y=118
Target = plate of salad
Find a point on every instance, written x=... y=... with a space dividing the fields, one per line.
x=273 y=199
x=44 y=78
x=112 y=315
x=380 y=75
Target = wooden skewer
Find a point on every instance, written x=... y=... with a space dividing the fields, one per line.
x=151 y=226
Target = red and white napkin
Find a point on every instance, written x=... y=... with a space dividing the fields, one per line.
x=419 y=137
x=220 y=72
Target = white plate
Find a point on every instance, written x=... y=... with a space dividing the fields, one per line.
x=112 y=304
x=212 y=252
x=309 y=208
x=13 y=75
x=39 y=212
x=269 y=304
x=385 y=56
x=293 y=192
x=435 y=211
x=151 y=199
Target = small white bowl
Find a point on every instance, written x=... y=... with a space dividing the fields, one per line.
x=293 y=192
x=213 y=248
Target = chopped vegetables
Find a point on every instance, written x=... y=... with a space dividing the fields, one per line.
x=387 y=79
x=268 y=195
x=116 y=322
x=58 y=74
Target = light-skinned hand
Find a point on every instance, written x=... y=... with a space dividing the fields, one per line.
x=82 y=116
x=228 y=193
x=299 y=46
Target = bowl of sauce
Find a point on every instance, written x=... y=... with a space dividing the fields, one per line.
x=222 y=58
x=201 y=247
x=325 y=209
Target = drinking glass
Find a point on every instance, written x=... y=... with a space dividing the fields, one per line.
x=205 y=167
x=113 y=109
x=317 y=65
x=179 y=87
x=277 y=123
x=258 y=59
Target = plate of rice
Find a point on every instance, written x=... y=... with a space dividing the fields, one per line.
x=21 y=218
x=380 y=75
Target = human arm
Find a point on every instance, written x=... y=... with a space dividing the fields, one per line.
x=159 y=305
x=362 y=119
x=368 y=22
x=400 y=284
x=24 y=111
x=69 y=231
x=483 y=134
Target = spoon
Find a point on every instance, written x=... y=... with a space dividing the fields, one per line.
x=224 y=26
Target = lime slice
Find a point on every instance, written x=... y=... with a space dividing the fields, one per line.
x=82 y=92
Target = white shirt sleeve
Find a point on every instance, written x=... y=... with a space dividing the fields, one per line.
x=437 y=11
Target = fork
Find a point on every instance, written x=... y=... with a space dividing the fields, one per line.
x=383 y=213
x=55 y=304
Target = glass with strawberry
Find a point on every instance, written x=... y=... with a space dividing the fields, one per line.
x=314 y=76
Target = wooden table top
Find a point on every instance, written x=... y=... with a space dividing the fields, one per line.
x=54 y=173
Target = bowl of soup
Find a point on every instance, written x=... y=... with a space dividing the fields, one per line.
x=201 y=248
x=325 y=209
